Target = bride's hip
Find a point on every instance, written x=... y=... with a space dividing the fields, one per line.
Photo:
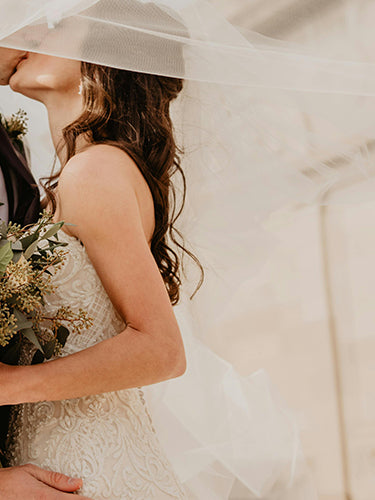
x=108 y=440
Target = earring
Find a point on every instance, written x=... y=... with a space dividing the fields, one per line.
x=80 y=89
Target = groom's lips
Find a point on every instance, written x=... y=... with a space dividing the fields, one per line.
x=23 y=58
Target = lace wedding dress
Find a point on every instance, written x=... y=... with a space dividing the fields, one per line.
x=109 y=439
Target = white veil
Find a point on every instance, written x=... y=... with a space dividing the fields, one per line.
x=267 y=127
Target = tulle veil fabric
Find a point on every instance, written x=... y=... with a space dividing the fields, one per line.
x=267 y=127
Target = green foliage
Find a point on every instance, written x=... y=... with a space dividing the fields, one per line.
x=6 y=255
x=29 y=258
x=16 y=127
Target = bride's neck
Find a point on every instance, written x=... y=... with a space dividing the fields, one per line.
x=63 y=110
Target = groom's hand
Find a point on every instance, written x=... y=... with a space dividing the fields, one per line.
x=32 y=483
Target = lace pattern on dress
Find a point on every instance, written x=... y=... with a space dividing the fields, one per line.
x=108 y=439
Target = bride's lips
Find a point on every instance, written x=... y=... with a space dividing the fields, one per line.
x=22 y=59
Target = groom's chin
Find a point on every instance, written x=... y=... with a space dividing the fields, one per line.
x=5 y=76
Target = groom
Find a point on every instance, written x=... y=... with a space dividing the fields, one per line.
x=21 y=203
x=18 y=189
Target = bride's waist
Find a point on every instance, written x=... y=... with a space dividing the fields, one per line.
x=107 y=408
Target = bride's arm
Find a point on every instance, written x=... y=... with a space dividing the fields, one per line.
x=102 y=203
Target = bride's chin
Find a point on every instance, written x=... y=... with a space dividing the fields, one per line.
x=18 y=84
x=15 y=83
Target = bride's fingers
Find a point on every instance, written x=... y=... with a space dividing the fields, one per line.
x=54 y=479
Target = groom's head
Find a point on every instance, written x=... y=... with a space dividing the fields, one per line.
x=9 y=58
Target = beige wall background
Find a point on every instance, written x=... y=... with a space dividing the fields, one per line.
x=318 y=341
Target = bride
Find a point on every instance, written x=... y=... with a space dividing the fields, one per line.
x=85 y=413
x=247 y=154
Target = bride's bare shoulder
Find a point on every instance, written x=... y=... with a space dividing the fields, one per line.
x=101 y=169
x=103 y=181
x=100 y=161
x=100 y=174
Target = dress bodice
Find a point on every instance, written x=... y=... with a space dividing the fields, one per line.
x=108 y=439
x=78 y=286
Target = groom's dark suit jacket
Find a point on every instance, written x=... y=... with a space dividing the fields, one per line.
x=22 y=191
x=24 y=207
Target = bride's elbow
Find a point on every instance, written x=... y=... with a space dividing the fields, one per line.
x=181 y=366
x=175 y=362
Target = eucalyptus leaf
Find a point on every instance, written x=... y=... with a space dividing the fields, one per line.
x=31 y=249
x=10 y=355
x=6 y=255
x=27 y=240
x=22 y=320
x=30 y=335
x=53 y=230
x=55 y=244
x=62 y=334
x=3 y=228
x=49 y=348
x=38 y=358
x=17 y=246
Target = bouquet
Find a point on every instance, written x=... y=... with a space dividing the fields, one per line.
x=16 y=128
x=29 y=257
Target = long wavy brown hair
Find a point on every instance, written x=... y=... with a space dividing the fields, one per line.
x=131 y=111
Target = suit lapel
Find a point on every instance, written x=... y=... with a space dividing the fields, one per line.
x=9 y=156
x=23 y=193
